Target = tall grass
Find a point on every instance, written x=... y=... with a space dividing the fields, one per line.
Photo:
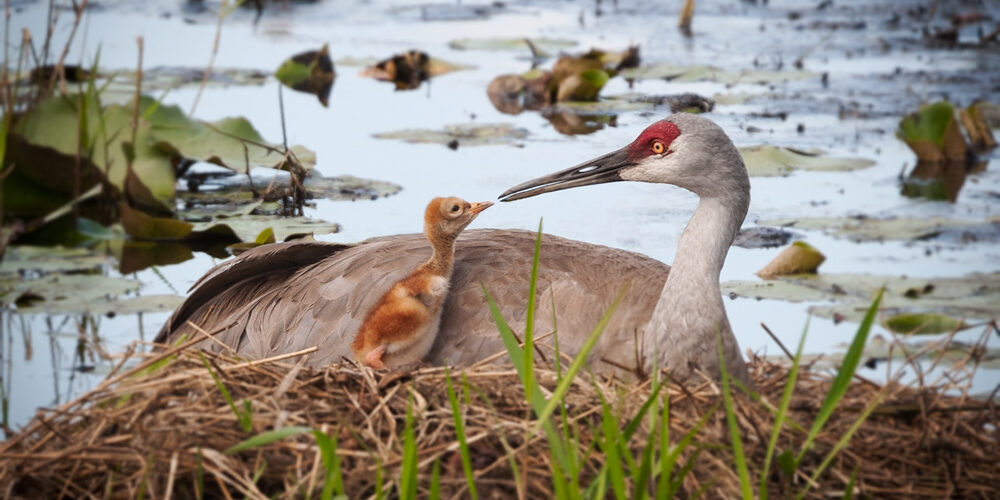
x=652 y=471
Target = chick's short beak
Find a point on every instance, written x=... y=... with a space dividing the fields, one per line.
x=479 y=206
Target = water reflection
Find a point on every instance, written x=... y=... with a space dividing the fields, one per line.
x=77 y=358
x=512 y=94
x=940 y=181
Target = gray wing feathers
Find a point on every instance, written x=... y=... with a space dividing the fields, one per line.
x=322 y=302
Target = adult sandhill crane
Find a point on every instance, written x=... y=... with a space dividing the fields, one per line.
x=285 y=297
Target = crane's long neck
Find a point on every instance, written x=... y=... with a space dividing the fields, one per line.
x=690 y=314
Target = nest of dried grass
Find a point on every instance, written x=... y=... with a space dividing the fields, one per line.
x=159 y=430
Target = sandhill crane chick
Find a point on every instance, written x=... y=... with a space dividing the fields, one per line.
x=401 y=328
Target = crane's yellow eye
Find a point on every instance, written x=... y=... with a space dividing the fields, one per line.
x=658 y=147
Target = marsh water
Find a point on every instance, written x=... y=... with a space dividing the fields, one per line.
x=865 y=65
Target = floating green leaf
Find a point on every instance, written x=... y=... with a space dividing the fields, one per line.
x=926 y=323
x=933 y=133
x=231 y=142
x=56 y=124
x=769 y=161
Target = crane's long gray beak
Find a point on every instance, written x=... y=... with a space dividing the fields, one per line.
x=602 y=169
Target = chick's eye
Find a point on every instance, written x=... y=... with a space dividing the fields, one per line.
x=658 y=147
x=454 y=208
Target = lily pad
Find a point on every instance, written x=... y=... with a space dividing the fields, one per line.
x=62 y=293
x=511 y=44
x=468 y=134
x=879 y=349
x=770 y=161
x=231 y=196
x=945 y=353
x=862 y=229
x=20 y=259
x=231 y=142
x=108 y=133
x=773 y=290
x=164 y=78
x=229 y=230
x=699 y=73
x=248 y=229
x=974 y=295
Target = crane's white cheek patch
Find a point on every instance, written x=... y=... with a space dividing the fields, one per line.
x=437 y=286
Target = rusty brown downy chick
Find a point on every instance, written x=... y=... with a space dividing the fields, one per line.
x=401 y=327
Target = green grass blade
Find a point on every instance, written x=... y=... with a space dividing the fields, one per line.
x=266 y=438
x=259 y=472
x=843 y=441
x=245 y=422
x=537 y=401
x=609 y=443
x=675 y=452
x=843 y=379
x=379 y=478
x=579 y=360
x=666 y=466
x=514 y=351
x=633 y=424
x=640 y=485
x=734 y=431
x=559 y=485
x=529 y=325
x=408 y=474
x=199 y=476
x=333 y=481
x=849 y=489
x=675 y=486
x=463 y=445
x=779 y=419
x=435 y=493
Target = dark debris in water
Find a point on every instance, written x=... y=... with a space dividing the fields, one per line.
x=763 y=237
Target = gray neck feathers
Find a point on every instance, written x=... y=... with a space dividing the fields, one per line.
x=690 y=314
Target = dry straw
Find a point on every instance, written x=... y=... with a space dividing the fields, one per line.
x=162 y=428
